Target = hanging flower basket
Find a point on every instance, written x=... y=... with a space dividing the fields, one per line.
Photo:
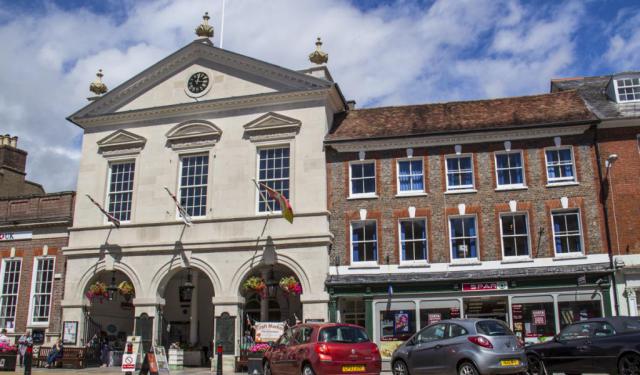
x=126 y=290
x=291 y=286
x=97 y=291
x=256 y=284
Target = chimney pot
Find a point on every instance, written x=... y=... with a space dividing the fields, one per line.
x=351 y=104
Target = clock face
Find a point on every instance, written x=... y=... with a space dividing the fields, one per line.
x=198 y=82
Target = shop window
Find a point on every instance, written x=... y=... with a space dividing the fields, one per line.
x=459 y=170
x=363 y=179
x=567 y=232
x=410 y=176
x=41 y=290
x=578 y=307
x=533 y=318
x=120 y=190
x=464 y=237
x=397 y=323
x=273 y=171
x=364 y=242
x=486 y=307
x=515 y=235
x=413 y=240
x=9 y=297
x=352 y=312
x=509 y=170
x=435 y=311
x=194 y=172
x=560 y=167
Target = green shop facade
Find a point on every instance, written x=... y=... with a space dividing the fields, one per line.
x=536 y=302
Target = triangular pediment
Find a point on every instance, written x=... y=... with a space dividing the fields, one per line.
x=272 y=121
x=121 y=141
x=229 y=75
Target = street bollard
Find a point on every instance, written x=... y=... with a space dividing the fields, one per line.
x=219 y=364
x=28 y=359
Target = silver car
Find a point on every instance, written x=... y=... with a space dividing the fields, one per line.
x=463 y=347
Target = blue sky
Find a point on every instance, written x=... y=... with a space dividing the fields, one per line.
x=381 y=53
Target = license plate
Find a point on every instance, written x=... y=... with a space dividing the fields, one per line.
x=354 y=368
x=510 y=362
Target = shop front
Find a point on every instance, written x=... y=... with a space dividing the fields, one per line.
x=535 y=309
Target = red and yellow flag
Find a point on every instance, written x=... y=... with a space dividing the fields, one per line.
x=285 y=206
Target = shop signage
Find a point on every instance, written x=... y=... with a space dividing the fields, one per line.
x=434 y=318
x=14 y=236
x=479 y=287
x=128 y=362
x=539 y=317
x=268 y=331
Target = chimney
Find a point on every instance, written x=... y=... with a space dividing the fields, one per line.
x=10 y=155
x=351 y=104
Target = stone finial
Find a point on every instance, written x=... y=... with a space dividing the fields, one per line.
x=204 y=30
x=317 y=56
x=98 y=87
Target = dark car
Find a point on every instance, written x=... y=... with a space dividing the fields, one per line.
x=604 y=345
x=330 y=348
x=461 y=346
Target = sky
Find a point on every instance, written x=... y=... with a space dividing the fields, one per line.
x=380 y=52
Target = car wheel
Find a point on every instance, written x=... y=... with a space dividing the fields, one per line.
x=266 y=369
x=467 y=368
x=307 y=370
x=536 y=366
x=400 y=368
x=629 y=364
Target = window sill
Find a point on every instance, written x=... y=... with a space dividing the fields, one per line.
x=461 y=191
x=473 y=262
x=513 y=187
x=557 y=184
x=511 y=260
x=363 y=196
x=413 y=265
x=364 y=267
x=569 y=257
x=416 y=194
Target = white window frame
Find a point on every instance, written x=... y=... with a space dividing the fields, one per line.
x=521 y=185
x=377 y=242
x=426 y=242
x=572 y=254
x=477 y=237
x=290 y=178
x=31 y=323
x=461 y=188
x=561 y=180
x=615 y=89
x=410 y=192
x=17 y=294
x=179 y=190
x=515 y=257
x=108 y=189
x=375 y=180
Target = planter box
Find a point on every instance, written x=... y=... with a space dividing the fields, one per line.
x=192 y=358
x=254 y=363
x=8 y=362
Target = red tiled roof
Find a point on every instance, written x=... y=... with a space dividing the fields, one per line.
x=425 y=119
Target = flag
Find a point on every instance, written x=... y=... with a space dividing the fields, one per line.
x=285 y=206
x=110 y=217
x=186 y=218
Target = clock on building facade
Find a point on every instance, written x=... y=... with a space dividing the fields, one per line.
x=198 y=83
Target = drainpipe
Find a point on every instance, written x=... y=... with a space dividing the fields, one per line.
x=603 y=201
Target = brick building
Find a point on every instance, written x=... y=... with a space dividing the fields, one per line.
x=33 y=231
x=615 y=100
x=468 y=209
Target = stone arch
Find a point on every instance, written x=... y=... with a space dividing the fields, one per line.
x=245 y=269
x=171 y=268
x=101 y=266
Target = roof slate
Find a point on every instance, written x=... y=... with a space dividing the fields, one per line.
x=429 y=119
x=593 y=91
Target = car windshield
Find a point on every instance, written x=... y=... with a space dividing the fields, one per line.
x=343 y=334
x=493 y=328
x=576 y=331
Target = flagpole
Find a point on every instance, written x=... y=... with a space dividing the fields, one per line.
x=222 y=24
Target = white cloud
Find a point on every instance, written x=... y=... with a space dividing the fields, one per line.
x=624 y=44
x=395 y=54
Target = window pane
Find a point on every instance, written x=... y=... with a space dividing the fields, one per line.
x=120 y=190
x=275 y=175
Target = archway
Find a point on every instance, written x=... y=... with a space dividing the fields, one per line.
x=109 y=316
x=187 y=317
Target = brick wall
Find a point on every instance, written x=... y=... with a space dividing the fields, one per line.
x=487 y=203
x=624 y=178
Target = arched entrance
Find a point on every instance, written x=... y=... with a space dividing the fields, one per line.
x=187 y=317
x=109 y=316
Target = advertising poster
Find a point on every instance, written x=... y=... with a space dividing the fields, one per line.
x=69 y=333
x=539 y=317
x=401 y=323
x=434 y=318
x=388 y=347
x=268 y=331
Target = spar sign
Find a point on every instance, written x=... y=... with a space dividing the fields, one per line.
x=481 y=287
x=14 y=236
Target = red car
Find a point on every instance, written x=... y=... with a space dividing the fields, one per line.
x=309 y=349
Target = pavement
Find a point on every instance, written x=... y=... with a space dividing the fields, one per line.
x=116 y=370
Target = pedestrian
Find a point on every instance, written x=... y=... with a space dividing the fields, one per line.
x=23 y=342
x=55 y=353
x=3 y=337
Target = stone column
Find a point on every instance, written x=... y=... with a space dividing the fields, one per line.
x=193 y=324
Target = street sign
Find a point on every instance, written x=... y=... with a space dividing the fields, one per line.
x=128 y=362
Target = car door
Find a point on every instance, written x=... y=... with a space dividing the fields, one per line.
x=569 y=352
x=604 y=347
x=300 y=351
x=452 y=345
x=278 y=356
x=289 y=359
x=425 y=356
